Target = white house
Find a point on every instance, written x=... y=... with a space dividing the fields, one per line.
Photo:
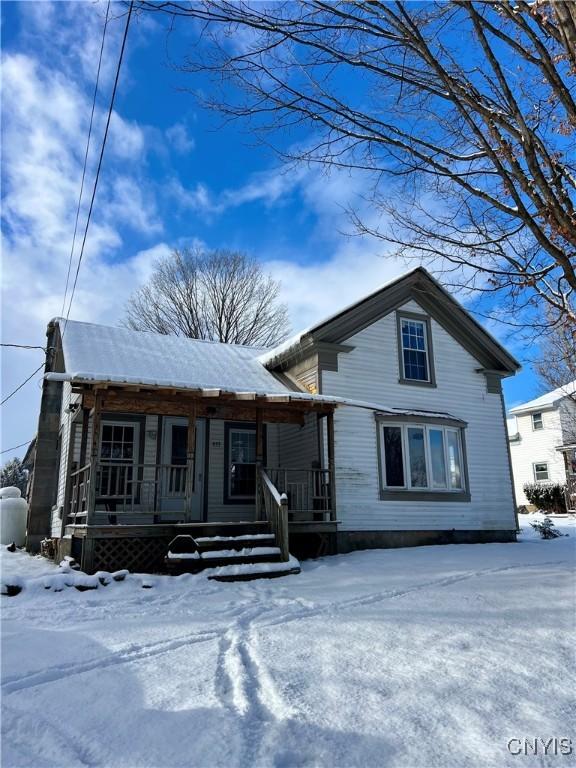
x=542 y=435
x=382 y=425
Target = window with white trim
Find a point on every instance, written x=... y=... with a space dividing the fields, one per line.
x=541 y=471
x=415 y=349
x=421 y=457
x=537 y=422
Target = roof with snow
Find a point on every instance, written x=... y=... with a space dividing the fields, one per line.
x=548 y=400
x=120 y=355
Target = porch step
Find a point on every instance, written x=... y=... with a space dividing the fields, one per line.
x=211 y=530
x=221 y=557
x=243 y=557
x=245 y=541
x=238 y=572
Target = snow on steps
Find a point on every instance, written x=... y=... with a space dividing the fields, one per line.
x=224 y=554
x=249 y=572
x=245 y=556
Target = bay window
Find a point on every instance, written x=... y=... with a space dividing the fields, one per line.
x=422 y=460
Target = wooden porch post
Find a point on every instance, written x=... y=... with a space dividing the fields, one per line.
x=259 y=460
x=68 y=486
x=331 y=463
x=84 y=438
x=94 y=450
x=190 y=460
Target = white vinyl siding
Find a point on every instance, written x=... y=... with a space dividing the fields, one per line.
x=370 y=373
x=536 y=446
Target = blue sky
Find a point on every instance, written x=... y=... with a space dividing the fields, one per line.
x=173 y=176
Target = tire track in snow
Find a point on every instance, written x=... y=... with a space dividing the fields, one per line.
x=133 y=653
x=377 y=597
x=246 y=688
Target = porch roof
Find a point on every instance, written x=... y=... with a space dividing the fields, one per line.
x=96 y=355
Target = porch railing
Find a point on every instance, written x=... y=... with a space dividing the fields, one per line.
x=148 y=489
x=275 y=507
x=309 y=492
x=124 y=488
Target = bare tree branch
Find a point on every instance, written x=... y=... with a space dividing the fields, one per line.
x=463 y=113
x=218 y=295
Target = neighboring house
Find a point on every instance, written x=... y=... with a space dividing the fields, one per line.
x=542 y=435
x=382 y=425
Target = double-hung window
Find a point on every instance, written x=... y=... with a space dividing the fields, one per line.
x=417 y=458
x=117 y=456
x=415 y=350
x=541 y=472
x=537 y=422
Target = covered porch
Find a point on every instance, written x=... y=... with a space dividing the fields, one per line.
x=147 y=462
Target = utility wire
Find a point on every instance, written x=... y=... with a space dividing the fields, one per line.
x=85 y=158
x=24 y=382
x=95 y=187
x=14 y=447
x=23 y=346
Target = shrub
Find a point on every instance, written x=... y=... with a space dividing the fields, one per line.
x=546 y=528
x=548 y=498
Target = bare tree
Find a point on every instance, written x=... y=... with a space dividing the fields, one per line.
x=462 y=112
x=218 y=295
x=556 y=364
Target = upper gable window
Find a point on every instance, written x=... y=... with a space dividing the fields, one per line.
x=537 y=422
x=415 y=349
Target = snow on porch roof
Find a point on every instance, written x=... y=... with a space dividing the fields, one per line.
x=123 y=356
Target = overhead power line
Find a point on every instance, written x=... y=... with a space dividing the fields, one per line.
x=19 y=387
x=95 y=187
x=85 y=158
x=24 y=346
x=15 y=447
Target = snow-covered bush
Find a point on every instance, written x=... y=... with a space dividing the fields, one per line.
x=546 y=528
x=548 y=498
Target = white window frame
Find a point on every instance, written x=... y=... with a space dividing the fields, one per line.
x=237 y=496
x=540 y=422
x=135 y=442
x=428 y=379
x=404 y=427
x=535 y=472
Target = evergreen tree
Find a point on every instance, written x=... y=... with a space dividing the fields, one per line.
x=14 y=474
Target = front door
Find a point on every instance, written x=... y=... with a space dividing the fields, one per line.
x=174 y=474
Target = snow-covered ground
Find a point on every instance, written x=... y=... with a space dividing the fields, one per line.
x=435 y=656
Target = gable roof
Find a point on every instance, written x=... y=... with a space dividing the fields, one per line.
x=549 y=400
x=419 y=285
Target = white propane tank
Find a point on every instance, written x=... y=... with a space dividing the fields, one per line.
x=13 y=516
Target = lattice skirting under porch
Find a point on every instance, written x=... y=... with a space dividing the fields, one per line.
x=145 y=555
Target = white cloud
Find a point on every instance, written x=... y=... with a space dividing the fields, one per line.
x=45 y=126
x=180 y=139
